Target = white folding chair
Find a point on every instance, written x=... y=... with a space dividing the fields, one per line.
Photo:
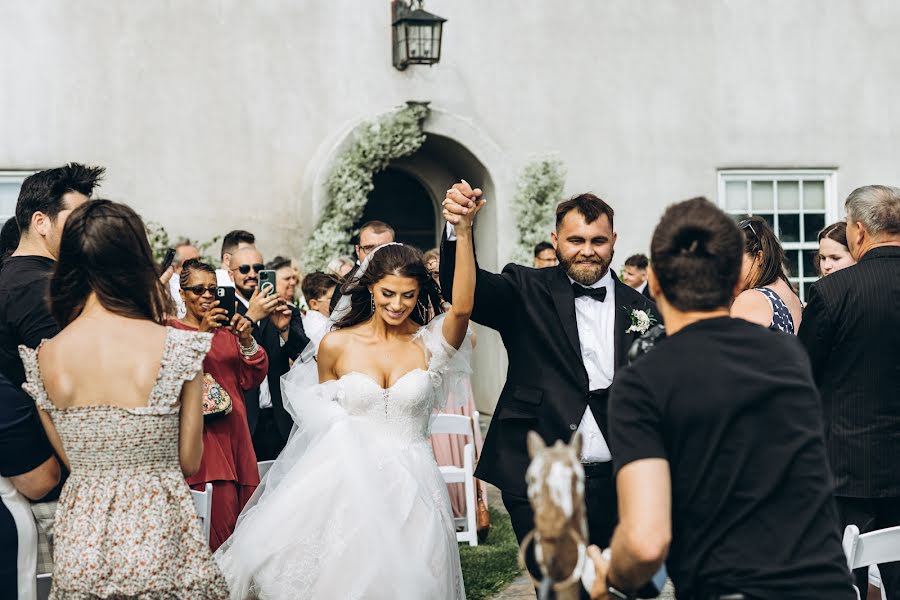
x=461 y=425
x=27 y=542
x=264 y=466
x=203 y=506
x=881 y=546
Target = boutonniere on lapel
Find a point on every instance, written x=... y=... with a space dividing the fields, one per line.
x=641 y=321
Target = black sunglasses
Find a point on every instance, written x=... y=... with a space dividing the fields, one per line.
x=198 y=290
x=244 y=269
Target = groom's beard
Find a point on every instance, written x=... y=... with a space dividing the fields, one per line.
x=584 y=270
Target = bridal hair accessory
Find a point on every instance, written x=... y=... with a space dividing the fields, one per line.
x=343 y=305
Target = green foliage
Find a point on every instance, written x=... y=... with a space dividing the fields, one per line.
x=493 y=565
x=392 y=136
x=160 y=242
x=539 y=190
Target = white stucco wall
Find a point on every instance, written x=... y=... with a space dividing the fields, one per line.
x=211 y=115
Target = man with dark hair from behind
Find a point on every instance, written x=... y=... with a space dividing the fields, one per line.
x=635 y=273
x=45 y=202
x=544 y=255
x=717 y=441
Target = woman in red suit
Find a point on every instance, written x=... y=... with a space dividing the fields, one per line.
x=237 y=364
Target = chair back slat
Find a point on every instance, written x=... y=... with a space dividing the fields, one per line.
x=203 y=506
x=452 y=424
x=882 y=546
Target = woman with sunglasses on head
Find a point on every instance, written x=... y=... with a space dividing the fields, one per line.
x=767 y=297
x=235 y=364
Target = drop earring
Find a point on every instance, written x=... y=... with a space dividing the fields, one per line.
x=422 y=313
x=373 y=304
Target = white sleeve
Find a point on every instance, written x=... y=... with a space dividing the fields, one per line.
x=451 y=232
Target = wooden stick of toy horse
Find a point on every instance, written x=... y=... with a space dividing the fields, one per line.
x=555 y=481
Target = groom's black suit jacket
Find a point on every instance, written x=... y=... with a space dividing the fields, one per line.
x=279 y=363
x=546 y=384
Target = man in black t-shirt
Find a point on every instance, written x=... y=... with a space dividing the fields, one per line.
x=44 y=204
x=716 y=436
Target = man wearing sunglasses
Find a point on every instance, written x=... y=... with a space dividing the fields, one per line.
x=278 y=328
x=371 y=235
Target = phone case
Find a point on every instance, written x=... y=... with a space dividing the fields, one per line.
x=225 y=296
x=267 y=282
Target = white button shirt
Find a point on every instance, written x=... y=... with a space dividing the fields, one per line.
x=265 y=395
x=596 y=322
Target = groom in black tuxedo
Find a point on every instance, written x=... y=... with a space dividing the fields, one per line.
x=566 y=331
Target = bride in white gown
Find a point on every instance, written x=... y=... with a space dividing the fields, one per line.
x=355 y=506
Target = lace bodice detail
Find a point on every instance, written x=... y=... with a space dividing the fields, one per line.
x=403 y=409
x=105 y=439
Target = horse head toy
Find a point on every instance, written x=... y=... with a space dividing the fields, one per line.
x=555 y=481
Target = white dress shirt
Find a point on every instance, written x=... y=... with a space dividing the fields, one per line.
x=596 y=321
x=265 y=395
x=640 y=289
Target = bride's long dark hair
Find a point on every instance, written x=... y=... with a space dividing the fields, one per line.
x=394 y=259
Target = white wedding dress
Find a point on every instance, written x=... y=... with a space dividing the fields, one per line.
x=355 y=506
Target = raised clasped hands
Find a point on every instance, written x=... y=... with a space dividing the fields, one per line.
x=461 y=204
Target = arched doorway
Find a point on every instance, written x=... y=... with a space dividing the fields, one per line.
x=401 y=201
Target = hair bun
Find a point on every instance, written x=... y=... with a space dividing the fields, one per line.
x=692 y=241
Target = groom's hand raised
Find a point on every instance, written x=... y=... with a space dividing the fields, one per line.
x=462 y=203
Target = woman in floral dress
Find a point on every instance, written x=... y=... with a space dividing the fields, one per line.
x=120 y=398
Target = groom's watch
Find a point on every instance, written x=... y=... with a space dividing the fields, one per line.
x=612 y=592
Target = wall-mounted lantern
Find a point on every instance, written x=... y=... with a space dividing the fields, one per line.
x=415 y=33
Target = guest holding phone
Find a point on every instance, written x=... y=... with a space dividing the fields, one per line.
x=235 y=364
x=278 y=328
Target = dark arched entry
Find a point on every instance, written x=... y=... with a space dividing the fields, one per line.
x=402 y=202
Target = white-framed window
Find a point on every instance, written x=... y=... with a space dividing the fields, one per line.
x=797 y=204
x=10 y=183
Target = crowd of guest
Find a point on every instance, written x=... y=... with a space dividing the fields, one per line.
x=173 y=372
x=252 y=339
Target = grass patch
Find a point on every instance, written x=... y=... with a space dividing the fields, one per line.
x=490 y=567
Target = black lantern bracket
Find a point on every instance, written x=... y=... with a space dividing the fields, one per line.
x=415 y=34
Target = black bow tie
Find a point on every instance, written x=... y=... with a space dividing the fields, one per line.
x=595 y=293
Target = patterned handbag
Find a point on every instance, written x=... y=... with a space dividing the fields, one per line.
x=216 y=401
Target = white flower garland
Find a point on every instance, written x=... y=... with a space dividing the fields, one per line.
x=350 y=182
x=539 y=190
